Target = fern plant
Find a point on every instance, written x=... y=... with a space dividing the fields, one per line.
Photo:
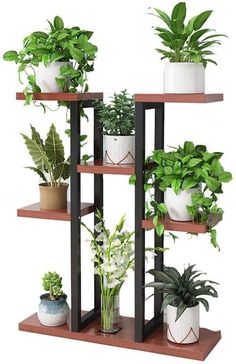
x=48 y=156
x=182 y=290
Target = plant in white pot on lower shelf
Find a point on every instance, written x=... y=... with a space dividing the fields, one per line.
x=182 y=295
x=57 y=60
x=188 y=48
x=118 y=121
x=191 y=178
x=53 y=309
x=113 y=254
x=51 y=166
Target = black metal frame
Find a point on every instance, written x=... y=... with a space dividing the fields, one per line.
x=77 y=320
x=142 y=329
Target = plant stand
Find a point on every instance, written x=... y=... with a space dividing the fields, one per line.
x=135 y=333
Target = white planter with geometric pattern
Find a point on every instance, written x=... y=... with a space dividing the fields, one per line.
x=119 y=149
x=186 y=329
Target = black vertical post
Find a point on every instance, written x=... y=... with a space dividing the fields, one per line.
x=98 y=194
x=75 y=218
x=159 y=196
x=139 y=215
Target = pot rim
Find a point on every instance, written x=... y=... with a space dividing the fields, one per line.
x=44 y=296
x=186 y=63
x=119 y=136
x=197 y=304
x=62 y=185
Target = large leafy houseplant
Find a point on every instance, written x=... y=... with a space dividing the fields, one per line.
x=113 y=254
x=118 y=116
x=48 y=156
x=184 y=168
x=186 y=41
x=62 y=44
x=182 y=290
x=53 y=309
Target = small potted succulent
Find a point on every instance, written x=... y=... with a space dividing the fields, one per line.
x=188 y=48
x=113 y=259
x=55 y=61
x=183 y=293
x=192 y=179
x=118 y=121
x=51 y=166
x=53 y=309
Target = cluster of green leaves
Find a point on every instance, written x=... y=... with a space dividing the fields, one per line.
x=186 y=42
x=59 y=44
x=52 y=283
x=48 y=156
x=182 y=291
x=117 y=117
x=184 y=168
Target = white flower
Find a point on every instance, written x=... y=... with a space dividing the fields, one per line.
x=109 y=267
x=112 y=283
x=101 y=237
x=98 y=227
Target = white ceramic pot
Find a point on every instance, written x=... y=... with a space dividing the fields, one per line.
x=46 y=76
x=119 y=149
x=184 y=78
x=177 y=204
x=186 y=329
x=53 y=313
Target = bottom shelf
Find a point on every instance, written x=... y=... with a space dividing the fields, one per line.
x=155 y=343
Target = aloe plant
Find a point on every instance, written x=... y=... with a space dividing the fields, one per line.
x=182 y=291
x=186 y=42
x=48 y=156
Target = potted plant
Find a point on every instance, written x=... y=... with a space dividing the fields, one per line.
x=183 y=293
x=53 y=309
x=51 y=166
x=55 y=61
x=113 y=253
x=192 y=179
x=118 y=121
x=188 y=48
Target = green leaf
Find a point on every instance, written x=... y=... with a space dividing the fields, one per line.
x=37 y=153
x=76 y=54
x=39 y=172
x=132 y=179
x=216 y=167
x=155 y=220
x=168 y=170
x=54 y=147
x=225 y=177
x=179 y=12
x=162 y=208
x=177 y=27
x=212 y=183
x=163 y=16
x=188 y=183
x=175 y=184
x=201 y=19
x=168 y=299
x=42 y=35
x=58 y=23
x=11 y=56
x=204 y=302
x=198 y=35
x=188 y=147
x=194 y=162
x=160 y=229
x=180 y=310
x=213 y=235
x=167 y=36
x=62 y=170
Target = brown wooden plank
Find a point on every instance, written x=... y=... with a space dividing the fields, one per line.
x=34 y=211
x=63 y=96
x=155 y=343
x=185 y=98
x=100 y=167
x=185 y=226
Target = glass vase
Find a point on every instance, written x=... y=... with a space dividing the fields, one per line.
x=110 y=312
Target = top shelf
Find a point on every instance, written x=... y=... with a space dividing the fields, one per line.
x=63 y=96
x=185 y=98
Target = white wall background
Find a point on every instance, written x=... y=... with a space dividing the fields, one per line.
x=29 y=247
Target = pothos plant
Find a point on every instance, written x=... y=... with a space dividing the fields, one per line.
x=186 y=41
x=62 y=44
x=118 y=116
x=183 y=168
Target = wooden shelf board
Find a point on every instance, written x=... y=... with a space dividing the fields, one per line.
x=34 y=211
x=63 y=96
x=100 y=167
x=185 y=98
x=155 y=343
x=185 y=226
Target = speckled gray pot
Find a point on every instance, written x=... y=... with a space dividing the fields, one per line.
x=53 y=313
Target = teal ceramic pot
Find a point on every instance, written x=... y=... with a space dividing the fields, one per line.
x=53 y=313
